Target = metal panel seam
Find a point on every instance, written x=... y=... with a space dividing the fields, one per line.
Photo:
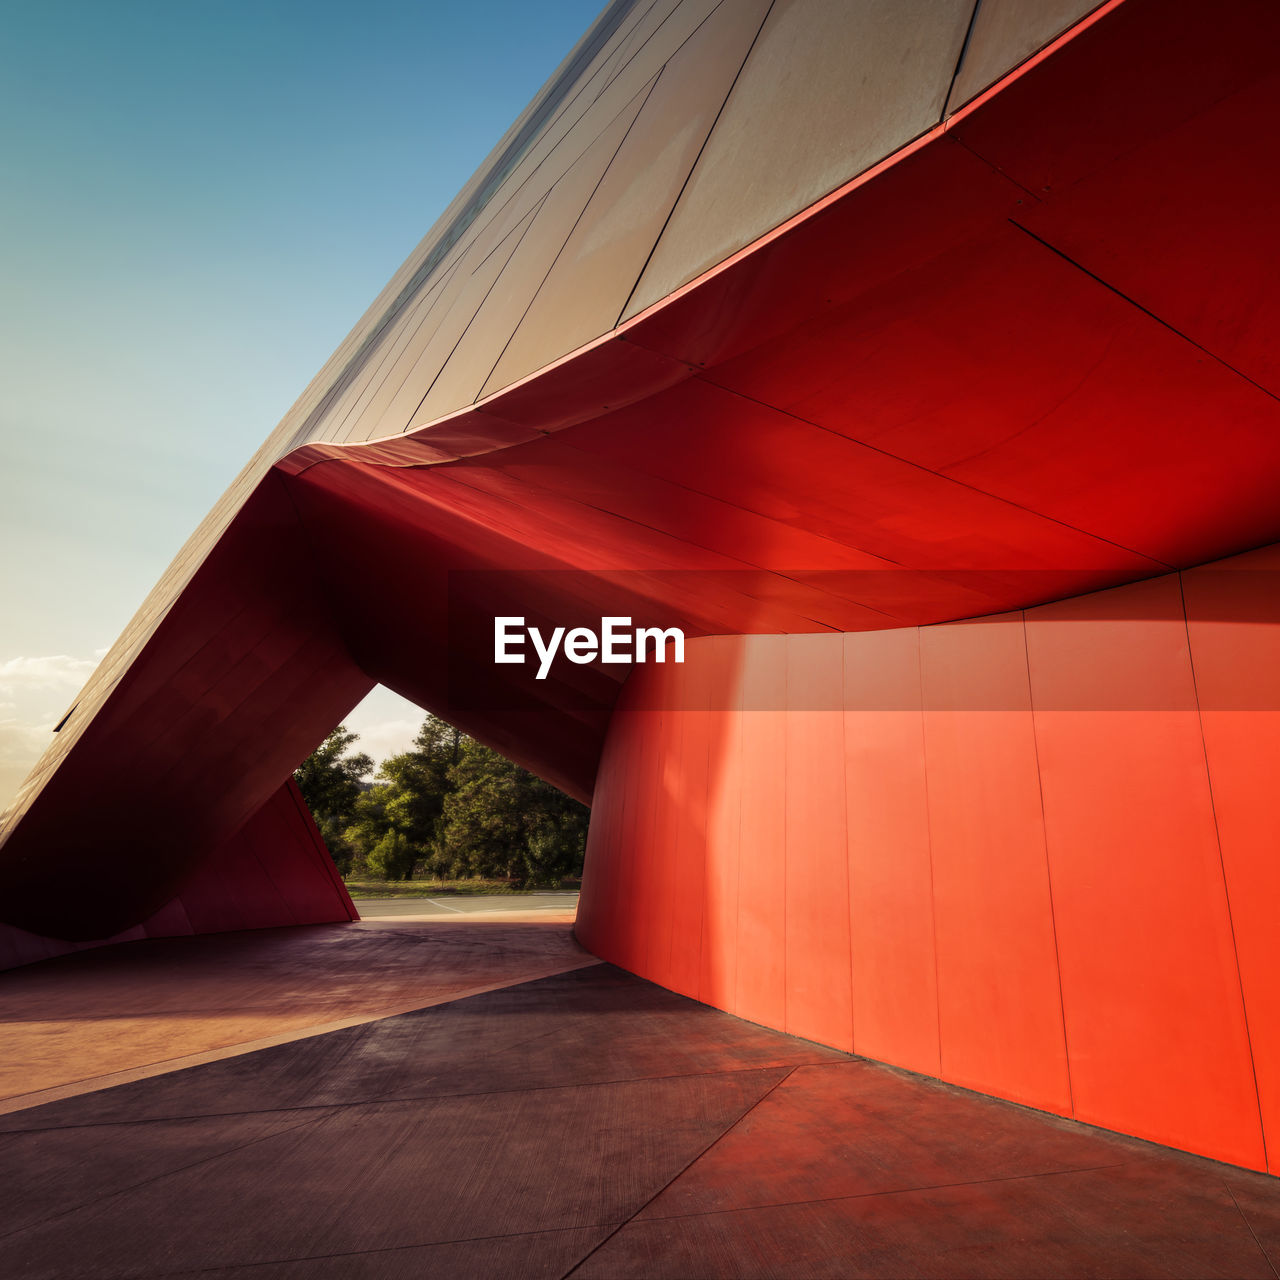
x=693 y=167
x=1222 y=866
x=1048 y=865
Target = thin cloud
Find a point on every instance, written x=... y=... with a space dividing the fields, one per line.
x=34 y=694
x=57 y=671
x=385 y=738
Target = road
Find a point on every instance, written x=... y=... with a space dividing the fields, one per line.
x=466 y=904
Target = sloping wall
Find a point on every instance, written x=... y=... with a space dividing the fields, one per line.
x=274 y=871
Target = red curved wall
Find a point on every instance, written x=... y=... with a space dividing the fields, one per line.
x=1032 y=854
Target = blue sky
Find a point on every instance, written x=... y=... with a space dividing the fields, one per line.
x=198 y=199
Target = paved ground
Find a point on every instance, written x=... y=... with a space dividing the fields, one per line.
x=102 y=1017
x=584 y=1124
x=466 y=904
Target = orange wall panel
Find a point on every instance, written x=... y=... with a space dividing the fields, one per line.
x=597 y=903
x=689 y=800
x=999 y=1013
x=1143 y=922
x=625 y=849
x=641 y=847
x=1233 y=619
x=719 y=946
x=670 y=801
x=762 y=867
x=895 y=988
x=819 y=988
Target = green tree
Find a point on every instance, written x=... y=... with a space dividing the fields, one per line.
x=330 y=780
x=368 y=825
x=418 y=781
x=449 y=803
x=405 y=802
x=393 y=857
x=501 y=820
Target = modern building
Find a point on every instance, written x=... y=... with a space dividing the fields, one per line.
x=918 y=359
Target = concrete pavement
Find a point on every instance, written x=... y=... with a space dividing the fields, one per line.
x=583 y=1124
